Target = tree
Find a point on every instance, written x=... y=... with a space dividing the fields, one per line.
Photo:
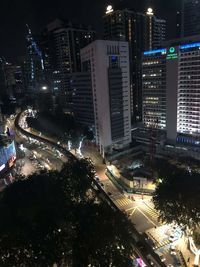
x=177 y=195
x=196 y=237
x=53 y=217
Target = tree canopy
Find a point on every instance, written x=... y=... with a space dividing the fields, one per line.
x=55 y=218
x=177 y=196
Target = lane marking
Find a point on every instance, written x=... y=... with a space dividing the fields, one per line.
x=147 y=217
x=130 y=208
x=131 y=214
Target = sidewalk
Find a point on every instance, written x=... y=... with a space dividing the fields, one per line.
x=183 y=246
x=160 y=236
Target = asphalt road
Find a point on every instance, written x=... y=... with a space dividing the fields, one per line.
x=138 y=208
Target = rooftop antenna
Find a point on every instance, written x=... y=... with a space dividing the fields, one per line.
x=29 y=30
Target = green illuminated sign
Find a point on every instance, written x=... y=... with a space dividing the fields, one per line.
x=172 y=53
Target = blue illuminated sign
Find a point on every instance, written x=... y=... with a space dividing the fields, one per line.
x=114 y=58
x=187 y=46
x=151 y=52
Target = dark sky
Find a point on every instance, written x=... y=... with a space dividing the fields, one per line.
x=14 y=14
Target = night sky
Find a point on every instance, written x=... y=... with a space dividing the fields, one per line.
x=37 y=13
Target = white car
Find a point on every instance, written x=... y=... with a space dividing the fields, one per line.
x=172 y=250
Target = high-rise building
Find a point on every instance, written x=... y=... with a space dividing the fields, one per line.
x=2 y=77
x=176 y=73
x=178 y=24
x=154 y=88
x=142 y=32
x=33 y=66
x=61 y=46
x=83 y=107
x=11 y=80
x=102 y=93
x=190 y=17
x=155 y=30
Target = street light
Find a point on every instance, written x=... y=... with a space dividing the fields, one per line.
x=44 y=87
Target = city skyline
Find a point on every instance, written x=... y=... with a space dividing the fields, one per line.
x=38 y=15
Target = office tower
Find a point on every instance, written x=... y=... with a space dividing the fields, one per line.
x=82 y=96
x=11 y=80
x=155 y=30
x=178 y=24
x=182 y=89
x=188 y=107
x=190 y=17
x=33 y=66
x=2 y=77
x=19 y=86
x=154 y=88
x=62 y=54
x=141 y=31
x=104 y=84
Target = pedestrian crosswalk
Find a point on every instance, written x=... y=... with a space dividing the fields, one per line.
x=151 y=212
x=162 y=244
x=123 y=201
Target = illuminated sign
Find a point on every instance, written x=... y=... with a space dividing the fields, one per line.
x=2 y=167
x=172 y=50
x=141 y=262
x=151 y=52
x=187 y=46
x=11 y=161
x=109 y=9
x=172 y=53
x=150 y=11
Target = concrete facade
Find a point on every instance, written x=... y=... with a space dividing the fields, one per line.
x=110 y=81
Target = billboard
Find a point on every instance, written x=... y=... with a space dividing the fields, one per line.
x=7 y=155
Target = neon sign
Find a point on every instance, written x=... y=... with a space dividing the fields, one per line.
x=171 y=53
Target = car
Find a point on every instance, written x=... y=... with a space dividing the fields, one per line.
x=102 y=184
x=163 y=259
x=172 y=250
x=171 y=238
x=109 y=193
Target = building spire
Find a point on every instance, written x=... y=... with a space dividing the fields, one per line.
x=29 y=30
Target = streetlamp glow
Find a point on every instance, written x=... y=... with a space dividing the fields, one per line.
x=44 y=87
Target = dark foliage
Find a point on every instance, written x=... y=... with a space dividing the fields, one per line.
x=177 y=198
x=54 y=217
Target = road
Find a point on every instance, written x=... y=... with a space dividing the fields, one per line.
x=38 y=156
x=140 y=210
x=121 y=201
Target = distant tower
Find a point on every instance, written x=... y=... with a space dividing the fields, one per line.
x=142 y=32
x=65 y=41
x=150 y=15
x=155 y=30
x=190 y=17
x=34 y=66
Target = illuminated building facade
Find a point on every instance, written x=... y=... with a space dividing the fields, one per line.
x=34 y=65
x=176 y=70
x=155 y=30
x=188 y=117
x=63 y=44
x=108 y=99
x=7 y=154
x=154 y=88
x=142 y=32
